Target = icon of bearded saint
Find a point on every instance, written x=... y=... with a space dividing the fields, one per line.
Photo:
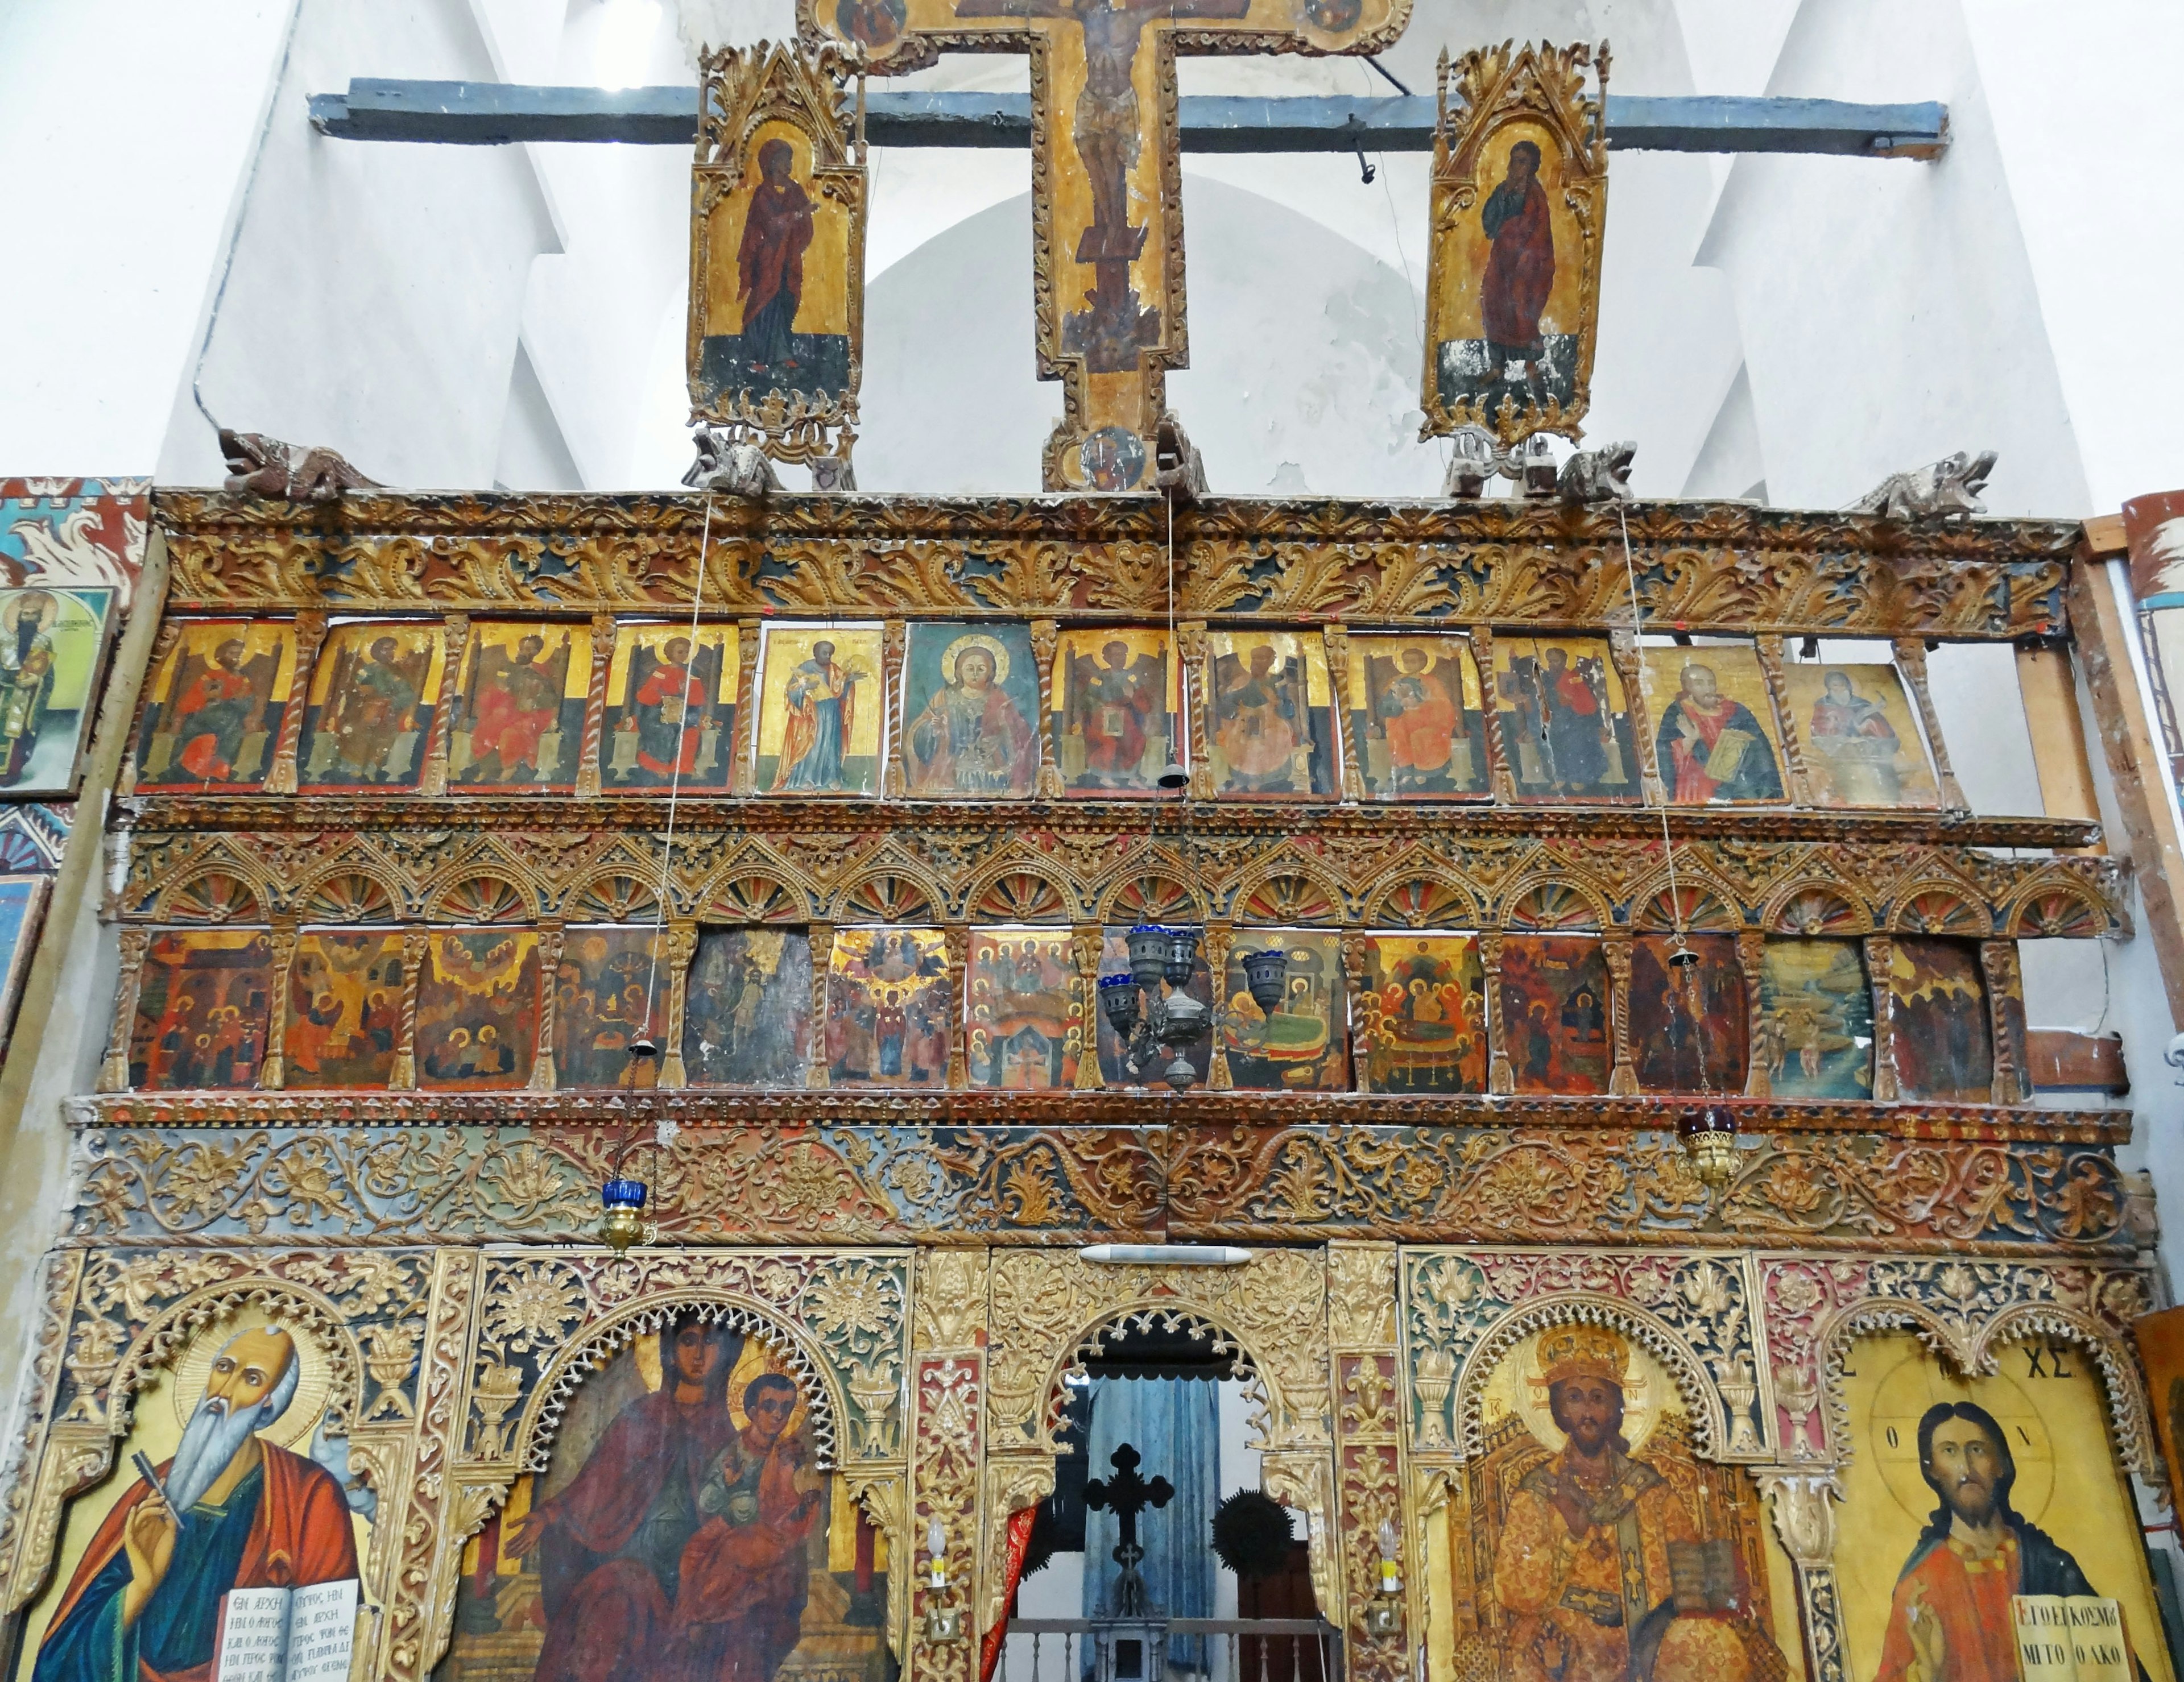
x=1949 y=1619
x=1583 y=1567
x=144 y=1604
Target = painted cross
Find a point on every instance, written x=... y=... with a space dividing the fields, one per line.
x=1126 y=1495
x=1106 y=206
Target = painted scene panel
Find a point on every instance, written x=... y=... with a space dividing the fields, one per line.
x=1114 y=1069
x=203 y=1003
x=1565 y=720
x=22 y=916
x=1687 y=1020
x=1271 y=728
x=1420 y=717
x=1940 y=1037
x=2160 y=1340
x=1714 y=737
x=607 y=992
x=1585 y=1540
x=1554 y=1012
x=53 y=648
x=1814 y=1035
x=344 y=1009
x=682 y=1531
x=234 y=1429
x=970 y=713
x=777 y=282
x=1425 y=1013
x=747 y=1014
x=1303 y=1043
x=1025 y=1020
x=670 y=707
x=1507 y=312
x=889 y=1012
x=820 y=710
x=369 y=712
x=477 y=1009
x=1861 y=742
x=519 y=721
x=213 y=712
x=1958 y=1494
x=1116 y=699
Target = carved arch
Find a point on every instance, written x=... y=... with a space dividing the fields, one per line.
x=1658 y=1339
x=2056 y=909
x=219 y=894
x=483 y=897
x=1286 y=892
x=1554 y=905
x=1152 y=895
x=350 y=892
x=1009 y=892
x=598 y=1343
x=1428 y=899
x=1939 y=906
x=1815 y=908
x=1710 y=906
x=1977 y=1355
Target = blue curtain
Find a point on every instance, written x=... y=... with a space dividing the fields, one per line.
x=1175 y=1426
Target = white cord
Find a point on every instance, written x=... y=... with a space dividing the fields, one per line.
x=675 y=778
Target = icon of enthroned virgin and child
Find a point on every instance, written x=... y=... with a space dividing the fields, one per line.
x=683 y=1533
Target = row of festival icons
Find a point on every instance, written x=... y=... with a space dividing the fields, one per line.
x=1280 y=713
x=776 y=1008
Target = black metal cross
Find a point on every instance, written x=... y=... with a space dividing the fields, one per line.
x=1126 y=1495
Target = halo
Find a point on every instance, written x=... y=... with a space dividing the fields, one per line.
x=194 y=1366
x=976 y=639
x=12 y=615
x=1644 y=1385
x=1915 y=1383
x=759 y=1357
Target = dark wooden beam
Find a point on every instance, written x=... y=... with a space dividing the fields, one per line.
x=496 y=114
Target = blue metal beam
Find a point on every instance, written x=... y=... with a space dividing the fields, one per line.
x=496 y=113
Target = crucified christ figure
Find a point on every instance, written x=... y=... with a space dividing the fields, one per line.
x=1109 y=130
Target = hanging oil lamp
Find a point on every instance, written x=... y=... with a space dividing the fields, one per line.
x=621 y=1197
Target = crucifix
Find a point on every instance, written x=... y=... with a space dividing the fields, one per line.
x=1126 y=1495
x=1106 y=200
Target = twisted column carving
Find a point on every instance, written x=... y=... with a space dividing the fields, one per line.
x=272 y=1068
x=1087 y=941
x=543 y=1077
x=894 y=634
x=404 y=1077
x=455 y=635
x=311 y=637
x=747 y=637
x=822 y=963
x=956 y=939
x=1220 y=936
x=1501 y=1079
x=1489 y=693
x=2005 y=1014
x=595 y=706
x=1622 y=1078
x=1045 y=635
x=1762 y=1034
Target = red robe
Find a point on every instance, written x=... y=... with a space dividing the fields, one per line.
x=1971 y=1597
x=1418 y=739
x=1519 y=273
x=200 y=754
x=769 y=260
x=300 y=1535
x=1694 y=787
